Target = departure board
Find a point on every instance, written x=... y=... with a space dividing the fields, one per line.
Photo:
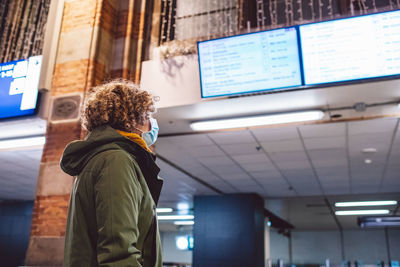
x=19 y=87
x=253 y=62
x=351 y=49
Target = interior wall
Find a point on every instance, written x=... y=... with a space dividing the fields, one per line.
x=368 y=246
x=169 y=251
x=15 y=223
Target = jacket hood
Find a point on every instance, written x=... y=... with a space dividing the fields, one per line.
x=78 y=153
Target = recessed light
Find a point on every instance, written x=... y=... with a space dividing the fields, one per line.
x=369 y=150
x=368 y=161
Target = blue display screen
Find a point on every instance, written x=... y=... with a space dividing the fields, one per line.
x=252 y=62
x=351 y=49
x=19 y=87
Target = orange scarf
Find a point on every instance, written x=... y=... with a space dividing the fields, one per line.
x=134 y=137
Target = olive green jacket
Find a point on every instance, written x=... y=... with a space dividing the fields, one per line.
x=112 y=211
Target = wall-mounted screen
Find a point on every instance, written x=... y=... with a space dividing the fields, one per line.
x=19 y=87
x=351 y=49
x=252 y=62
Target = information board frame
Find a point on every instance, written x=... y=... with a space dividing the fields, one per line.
x=295 y=27
x=304 y=85
x=341 y=82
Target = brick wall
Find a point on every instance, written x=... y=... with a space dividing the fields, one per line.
x=50 y=215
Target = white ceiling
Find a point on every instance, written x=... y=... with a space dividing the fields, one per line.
x=19 y=168
x=312 y=160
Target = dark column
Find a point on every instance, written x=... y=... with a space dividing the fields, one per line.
x=229 y=231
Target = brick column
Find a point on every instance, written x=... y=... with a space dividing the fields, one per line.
x=83 y=60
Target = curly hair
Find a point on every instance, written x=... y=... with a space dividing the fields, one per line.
x=118 y=103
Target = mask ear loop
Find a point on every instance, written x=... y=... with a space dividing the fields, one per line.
x=138 y=130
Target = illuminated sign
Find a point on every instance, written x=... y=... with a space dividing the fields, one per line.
x=19 y=87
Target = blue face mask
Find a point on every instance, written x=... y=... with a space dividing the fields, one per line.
x=150 y=137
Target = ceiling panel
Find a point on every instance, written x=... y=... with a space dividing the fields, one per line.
x=190 y=140
x=257 y=167
x=332 y=171
x=226 y=169
x=214 y=161
x=240 y=149
x=325 y=142
x=259 y=157
x=288 y=156
x=341 y=163
x=294 y=165
x=203 y=151
x=267 y=174
x=323 y=130
x=19 y=170
x=236 y=137
x=275 y=134
x=376 y=126
x=327 y=154
x=283 y=146
x=235 y=176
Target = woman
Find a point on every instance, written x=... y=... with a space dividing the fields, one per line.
x=112 y=212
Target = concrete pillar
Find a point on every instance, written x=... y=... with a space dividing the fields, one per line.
x=229 y=231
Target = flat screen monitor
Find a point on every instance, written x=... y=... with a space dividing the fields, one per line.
x=19 y=87
x=351 y=49
x=260 y=61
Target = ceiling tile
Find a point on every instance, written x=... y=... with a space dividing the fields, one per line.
x=256 y=167
x=365 y=189
x=372 y=126
x=234 y=137
x=323 y=130
x=325 y=142
x=251 y=158
x=276 y=134
x=189 y=140
x=235 y=176
x=205 y=151
x=226 y=169
x=327 y=154
x=329 y=163
x=216 y=161
x=240 y=149
x=299 y=174
x=283 y=146
x=288 y=156
x=332 y=171
x=293 y=165
x=266 y=174
x=334 y=180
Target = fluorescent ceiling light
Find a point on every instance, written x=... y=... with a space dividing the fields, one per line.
x=182 y=242
x=366 y=203
x=175 y=217
x=361 y=212
x=184 y=222
x=258 y=120
x=183 y=206
x=164 y=210
x=28 y=142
